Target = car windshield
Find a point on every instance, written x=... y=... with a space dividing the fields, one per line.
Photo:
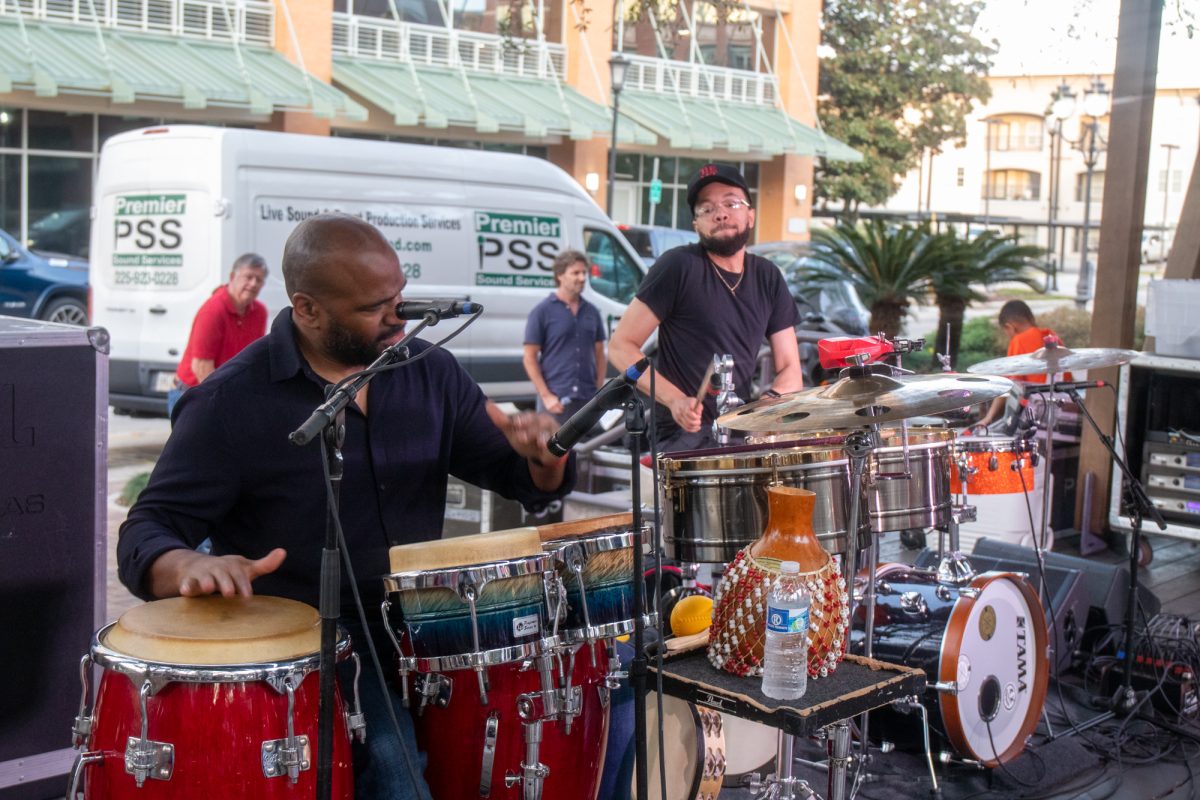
x=61 y=232
x=640 y=239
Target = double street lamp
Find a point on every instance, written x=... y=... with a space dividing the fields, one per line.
x=1061 y=106
x=1091 y=145
x=619 y=65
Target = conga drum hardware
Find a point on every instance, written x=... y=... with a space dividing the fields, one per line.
x=189 y=703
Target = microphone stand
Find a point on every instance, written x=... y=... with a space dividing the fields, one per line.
x=329 y=419
x=1138 y=506
x=635 y=425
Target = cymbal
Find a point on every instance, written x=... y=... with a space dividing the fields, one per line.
x=1054 y=360
x=859 y=401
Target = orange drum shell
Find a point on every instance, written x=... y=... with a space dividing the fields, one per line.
x=1003 y=479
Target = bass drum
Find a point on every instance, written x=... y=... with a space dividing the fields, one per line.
x=987 y=638
x=703 y=749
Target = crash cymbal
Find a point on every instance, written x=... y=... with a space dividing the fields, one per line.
x=1054 y=360
x=863 y=400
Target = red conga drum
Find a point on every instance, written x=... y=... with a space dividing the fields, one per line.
x=210 y=697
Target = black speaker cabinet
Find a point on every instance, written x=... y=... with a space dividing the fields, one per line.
x=1107 y=584
x=1064 y=598
x=53 y=487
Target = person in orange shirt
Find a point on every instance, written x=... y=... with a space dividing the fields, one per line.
x=1024 y=336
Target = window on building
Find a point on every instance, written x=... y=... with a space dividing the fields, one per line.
x=1097 y=186
x=960 y=176
x=10 y=193
x=1020 y=132
x=612 y=271
x=1012 y=184
x=1176 y=180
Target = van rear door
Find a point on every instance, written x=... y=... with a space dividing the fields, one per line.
x=153 y=253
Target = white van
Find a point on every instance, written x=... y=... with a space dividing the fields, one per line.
x=175 y=205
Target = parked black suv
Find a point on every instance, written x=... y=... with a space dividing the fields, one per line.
x=40 y=285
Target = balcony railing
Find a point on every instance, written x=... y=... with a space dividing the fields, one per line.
x=243 y=20
x=699 y=80
x=432 y=45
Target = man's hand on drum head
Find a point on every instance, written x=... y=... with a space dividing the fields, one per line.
x=192 y=574
x=686 y=413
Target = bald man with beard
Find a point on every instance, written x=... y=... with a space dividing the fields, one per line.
x=229 y=473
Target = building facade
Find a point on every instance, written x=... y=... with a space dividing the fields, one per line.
x=707 y=83
x=1024 y=165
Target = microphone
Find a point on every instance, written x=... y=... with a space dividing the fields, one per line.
x=443 y=309
x=608 y=397
x=1063 y=386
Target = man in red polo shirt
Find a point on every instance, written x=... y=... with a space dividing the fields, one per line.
x=228 y=321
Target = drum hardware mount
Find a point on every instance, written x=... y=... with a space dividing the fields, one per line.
x=145 y=758
x=491 y=731
x=433 y=687
x=533 y=773
x=727 y=398
x=81 y=731
x=288 y=756
x=954 y=568
x=356 y=720
x=913 y=703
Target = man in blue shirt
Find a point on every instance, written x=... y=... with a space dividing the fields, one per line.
x=229 y=473
x=564 y=342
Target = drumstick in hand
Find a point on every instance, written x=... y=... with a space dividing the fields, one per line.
x=708 y=373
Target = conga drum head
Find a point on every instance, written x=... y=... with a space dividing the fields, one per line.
x=216 y=630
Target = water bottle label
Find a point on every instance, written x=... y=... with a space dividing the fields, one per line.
x=787 y=620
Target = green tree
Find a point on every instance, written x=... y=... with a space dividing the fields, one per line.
x=963 y=265
x=884 y=57
x=891 y=266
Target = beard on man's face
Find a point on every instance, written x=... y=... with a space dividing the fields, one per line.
x=351 y=350
x=725 y=246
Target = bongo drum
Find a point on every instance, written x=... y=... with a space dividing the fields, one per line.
x=594 y=559
x=739 y=626
x=209 y=697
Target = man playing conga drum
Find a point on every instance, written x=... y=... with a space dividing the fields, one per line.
x=229 y=473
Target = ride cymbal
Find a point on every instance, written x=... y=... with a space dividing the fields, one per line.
x=865 y=399
x=1054 y=360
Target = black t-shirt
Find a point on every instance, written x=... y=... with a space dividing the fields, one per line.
x=701 y=316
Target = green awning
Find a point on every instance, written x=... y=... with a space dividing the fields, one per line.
x=693 y=123
x=53 y=59
x=439 y=98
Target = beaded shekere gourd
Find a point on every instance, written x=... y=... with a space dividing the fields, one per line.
x=739 y=626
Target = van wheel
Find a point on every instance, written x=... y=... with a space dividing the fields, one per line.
x=66 y=310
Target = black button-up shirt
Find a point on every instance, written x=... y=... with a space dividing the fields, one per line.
x=229 y=473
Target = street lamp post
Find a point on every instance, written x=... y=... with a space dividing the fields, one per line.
x=988 y=179
x=1095 y=105
x=1061 y=107
x=619 y=64
x=1162 y=234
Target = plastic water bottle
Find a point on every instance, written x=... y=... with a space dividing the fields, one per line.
x=785 y=656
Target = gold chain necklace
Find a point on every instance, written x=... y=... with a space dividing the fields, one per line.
x=732 y=289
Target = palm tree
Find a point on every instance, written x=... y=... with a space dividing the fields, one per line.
x=890 y=266
x=963 y=266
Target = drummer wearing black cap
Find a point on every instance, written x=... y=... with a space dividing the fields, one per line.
x=706 y=299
